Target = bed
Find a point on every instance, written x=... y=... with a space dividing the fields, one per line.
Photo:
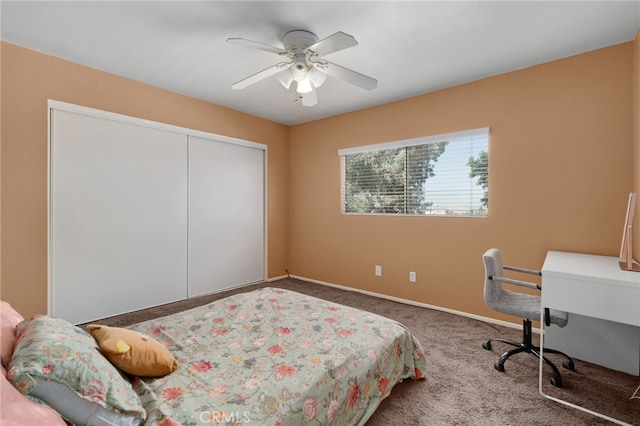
x=275 y=357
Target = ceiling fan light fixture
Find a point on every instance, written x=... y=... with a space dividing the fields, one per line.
x=317 y=77
x=304 y=86
x=285 y=78
x=299 y=71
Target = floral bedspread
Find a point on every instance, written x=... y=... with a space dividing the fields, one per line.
x=276 y=357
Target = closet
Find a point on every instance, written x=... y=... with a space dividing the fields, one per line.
x=143 y=213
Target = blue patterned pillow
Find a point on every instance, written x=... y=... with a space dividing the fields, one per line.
x=53 y=350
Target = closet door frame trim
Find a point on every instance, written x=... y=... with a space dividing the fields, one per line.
x=97 y=113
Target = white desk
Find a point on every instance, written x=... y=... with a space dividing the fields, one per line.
x=603 y=302
x=594 y=287
x=591 y=285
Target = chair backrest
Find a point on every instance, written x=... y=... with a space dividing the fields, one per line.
x=509 y=302
x=493 y=267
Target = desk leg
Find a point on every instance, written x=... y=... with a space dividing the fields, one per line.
x=553 y=398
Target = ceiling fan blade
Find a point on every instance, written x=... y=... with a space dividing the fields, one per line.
x=257 y=45
x=261 y=75
x=333 y=43
x=351 y=76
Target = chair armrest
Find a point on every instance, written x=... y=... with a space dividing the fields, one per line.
x=516 y=282
x=524 y=271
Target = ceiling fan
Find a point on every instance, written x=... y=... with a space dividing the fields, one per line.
x=305 y=65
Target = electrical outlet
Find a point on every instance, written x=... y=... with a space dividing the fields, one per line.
x=378 y=271
x=412 y=277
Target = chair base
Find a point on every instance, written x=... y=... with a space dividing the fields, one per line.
x=527 y=346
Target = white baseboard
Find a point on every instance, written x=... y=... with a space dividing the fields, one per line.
x=281 y=277
x=413 y=303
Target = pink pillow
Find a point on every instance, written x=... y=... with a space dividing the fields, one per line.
x=9 y=318
x=18 y=410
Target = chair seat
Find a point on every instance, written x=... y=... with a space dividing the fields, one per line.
x=525 y=306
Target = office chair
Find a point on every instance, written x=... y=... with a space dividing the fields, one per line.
x=526 y=306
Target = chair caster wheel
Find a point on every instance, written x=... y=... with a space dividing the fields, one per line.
x=498 y=366
x=487 y=346
x=569 y=365
x=557 y=382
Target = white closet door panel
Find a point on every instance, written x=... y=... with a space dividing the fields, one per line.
x=118 y=217
x=226 y=215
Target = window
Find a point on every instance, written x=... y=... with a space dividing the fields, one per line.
x=444 y=175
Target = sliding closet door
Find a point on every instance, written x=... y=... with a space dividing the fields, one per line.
x=118 y=216
x=226 y=215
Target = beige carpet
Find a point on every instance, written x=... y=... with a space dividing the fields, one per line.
x=461 y=386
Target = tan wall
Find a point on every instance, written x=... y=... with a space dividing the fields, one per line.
x=561 y=156
x=1 y=48
x=561 y=145
x=636 y=142
x=28 y=80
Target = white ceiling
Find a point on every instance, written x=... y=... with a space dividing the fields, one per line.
x=411 y=47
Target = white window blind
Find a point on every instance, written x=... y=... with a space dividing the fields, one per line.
x=445 y=175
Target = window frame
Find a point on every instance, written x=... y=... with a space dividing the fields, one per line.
x=482 y=132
